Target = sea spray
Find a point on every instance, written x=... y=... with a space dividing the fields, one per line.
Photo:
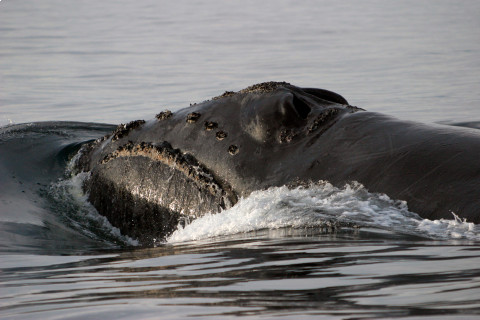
x=70 y=201
x=319 y=205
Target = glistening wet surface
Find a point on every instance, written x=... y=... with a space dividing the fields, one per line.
x=304 y=273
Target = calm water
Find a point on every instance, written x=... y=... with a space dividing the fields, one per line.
x=269 y=257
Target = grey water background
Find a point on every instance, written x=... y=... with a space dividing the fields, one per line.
x=115 y=61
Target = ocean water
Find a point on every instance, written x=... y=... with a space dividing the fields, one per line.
x=71 y=70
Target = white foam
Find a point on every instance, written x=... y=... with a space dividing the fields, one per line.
x=318 y=205
x=451 y=229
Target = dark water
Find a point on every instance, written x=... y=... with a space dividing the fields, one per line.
x=268 y=257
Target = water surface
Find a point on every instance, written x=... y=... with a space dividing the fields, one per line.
x=270 y=257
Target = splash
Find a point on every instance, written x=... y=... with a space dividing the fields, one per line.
x=456 y=228
x=72 y=203
x=321 y=205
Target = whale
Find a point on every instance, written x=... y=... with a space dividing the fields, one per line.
x=148 y=177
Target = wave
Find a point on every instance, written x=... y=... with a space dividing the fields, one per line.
x=321 y=205
x=67 y=196
x=33 y=158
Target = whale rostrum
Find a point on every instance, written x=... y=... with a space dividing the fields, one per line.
x=149 y=176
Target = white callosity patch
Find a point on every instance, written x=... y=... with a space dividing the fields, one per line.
x=183 y=164
x=320 y=205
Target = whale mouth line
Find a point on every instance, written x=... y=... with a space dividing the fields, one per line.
x=184 y=163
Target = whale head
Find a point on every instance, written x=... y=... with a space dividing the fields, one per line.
x=149 y=176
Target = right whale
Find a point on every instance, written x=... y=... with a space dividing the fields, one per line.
x=147 y=175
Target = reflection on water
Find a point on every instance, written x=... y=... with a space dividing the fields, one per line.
x=285 y=272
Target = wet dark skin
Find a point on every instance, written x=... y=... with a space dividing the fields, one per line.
x=205 y=157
